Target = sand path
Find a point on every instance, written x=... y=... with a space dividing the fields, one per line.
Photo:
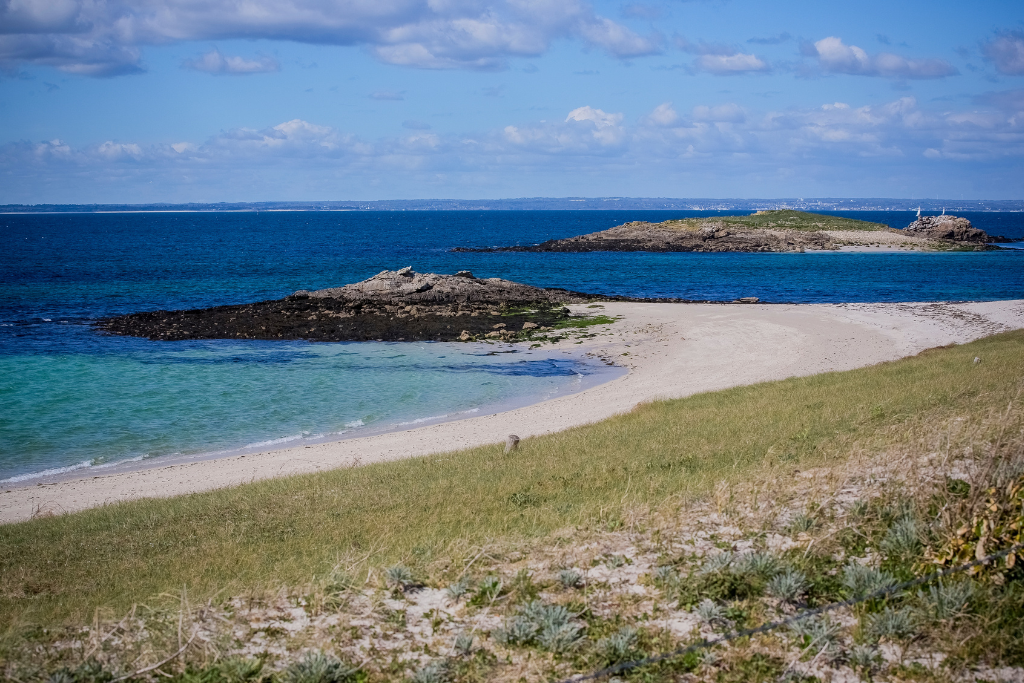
x=672 y=350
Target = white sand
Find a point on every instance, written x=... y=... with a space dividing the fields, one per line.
x=673 y=350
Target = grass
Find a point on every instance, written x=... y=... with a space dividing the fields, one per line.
x=433 y=512
x=779 y=220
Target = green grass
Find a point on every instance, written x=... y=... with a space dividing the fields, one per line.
x=780 y=220
x=423 y=510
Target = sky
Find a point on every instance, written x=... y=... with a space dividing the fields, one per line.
x=118 y=101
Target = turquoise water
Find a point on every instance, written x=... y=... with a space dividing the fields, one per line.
x=220 y=396
x=73 y=398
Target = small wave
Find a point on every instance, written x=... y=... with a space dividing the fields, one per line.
x=274 y=442
x=437 y=417
x=355 y=423
x=54 y=471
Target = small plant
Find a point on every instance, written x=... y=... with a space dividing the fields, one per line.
x=710 y=612
x=764 y=565
x=819 y=635
x=458 y=589
x=570 y=578
x=863 y=658
x=518 y=630
x=560 y=637
x=801 y=524
x=787 y=586
x=892 y=624
x=240 y=669
x=947 y=600
x=489 y=588
x=859 y=509
x=665 y=576
x=463 y=644
x=434 y=672
x=903 y=538
x=317 y=667
x=615 y=561
x=860 y=580
x=549 y=626
x=399 y=575
x=716 y=563
x=523 y=587
x=958 y=488
x=619 y=646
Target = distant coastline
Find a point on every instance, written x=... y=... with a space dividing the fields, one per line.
x=540 y=204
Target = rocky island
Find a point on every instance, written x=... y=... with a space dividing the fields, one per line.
x=397 y=305
x=770 y=231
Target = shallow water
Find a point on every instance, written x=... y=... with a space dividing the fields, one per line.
x=70 y=396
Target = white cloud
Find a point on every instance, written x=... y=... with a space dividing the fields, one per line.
x=114 y=150
x=724 y=65
x=104 y=37
x=213 y=62
x=722 y=141
x=663 y=115
x=721 y=60
x=834 y=56
x=1006 y=51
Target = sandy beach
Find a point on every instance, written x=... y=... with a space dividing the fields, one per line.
x=671 y=351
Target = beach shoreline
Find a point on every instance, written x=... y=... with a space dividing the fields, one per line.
x=587 y=373
x=670 y=351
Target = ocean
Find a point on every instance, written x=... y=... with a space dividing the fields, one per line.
x=74 y=399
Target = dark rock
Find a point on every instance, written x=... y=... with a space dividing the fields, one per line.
x=391 y=306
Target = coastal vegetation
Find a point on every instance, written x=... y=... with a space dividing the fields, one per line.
x=600 y=544
x=781 y=219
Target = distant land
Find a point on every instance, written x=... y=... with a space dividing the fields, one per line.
x=548 y=204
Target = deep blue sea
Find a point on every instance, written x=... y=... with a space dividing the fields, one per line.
x=73 y=398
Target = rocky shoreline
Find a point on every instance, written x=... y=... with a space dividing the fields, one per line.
x=768 y=231
x=391 y=306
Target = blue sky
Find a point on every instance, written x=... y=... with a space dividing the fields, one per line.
x=259 y=100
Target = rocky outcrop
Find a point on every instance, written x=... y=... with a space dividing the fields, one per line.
x=949 y=228
x=405 y=287
x=397 y=305
x=711 y=237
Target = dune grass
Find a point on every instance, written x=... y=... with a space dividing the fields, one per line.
x=423 y=511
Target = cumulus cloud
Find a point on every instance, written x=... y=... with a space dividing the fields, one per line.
x=835 y=56
x=1006 y=51
x=585 y=131
x=104 y=37
x=213 y=62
